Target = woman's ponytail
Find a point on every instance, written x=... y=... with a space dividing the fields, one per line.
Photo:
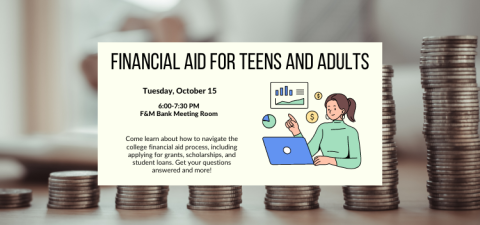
x=352 y=105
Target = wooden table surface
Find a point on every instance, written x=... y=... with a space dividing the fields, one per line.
x=413 y=208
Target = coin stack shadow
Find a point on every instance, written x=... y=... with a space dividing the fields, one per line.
x=385 y=197
x=15 y=198
x=73 y=190
x=141 y=197
x=450 y=126
x=214 y=197
x=288 y=198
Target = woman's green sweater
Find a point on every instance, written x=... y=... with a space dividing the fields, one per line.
x=338 y=140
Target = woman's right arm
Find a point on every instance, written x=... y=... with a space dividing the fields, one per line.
x=314 y=144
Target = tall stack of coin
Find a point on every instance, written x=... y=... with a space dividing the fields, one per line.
x=292 y=197
x=15 y=198
x=385 y=197
x=451 y=120
x=73 y=190
x=214 y=197
x=141 y=197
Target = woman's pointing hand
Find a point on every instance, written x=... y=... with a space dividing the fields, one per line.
x=292 y=125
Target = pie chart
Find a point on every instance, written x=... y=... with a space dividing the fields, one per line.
x=269 y=121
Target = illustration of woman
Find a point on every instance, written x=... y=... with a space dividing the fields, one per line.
x=338 y=141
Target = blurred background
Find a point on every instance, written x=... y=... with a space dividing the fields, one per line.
x=48 y=98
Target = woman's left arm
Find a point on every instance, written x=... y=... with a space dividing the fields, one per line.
x=354 y=160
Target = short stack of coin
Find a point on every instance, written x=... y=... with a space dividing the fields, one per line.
x=214 y=197
x=73 y=190
x=15 y=198
x=292 y=197
x=141 y=197
x=451 y=120
x=385 y=197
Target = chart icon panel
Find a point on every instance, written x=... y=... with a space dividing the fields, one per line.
x=289 y=95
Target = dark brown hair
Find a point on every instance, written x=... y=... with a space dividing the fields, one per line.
x=348 y=105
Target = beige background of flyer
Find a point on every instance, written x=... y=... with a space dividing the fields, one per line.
x=241 y=101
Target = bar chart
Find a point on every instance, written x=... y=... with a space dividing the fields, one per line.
x=287 y=92
x=289 y=95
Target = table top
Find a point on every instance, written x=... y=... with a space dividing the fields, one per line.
x=412 y=190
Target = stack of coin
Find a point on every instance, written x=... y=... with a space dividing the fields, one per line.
x=73 y=190
x=15 y=198
x=451 y=120
x=292 y=197
x=141 y=197
x=385 y=197
x=214 y=197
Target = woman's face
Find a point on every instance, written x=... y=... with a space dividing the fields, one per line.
x=333 y=111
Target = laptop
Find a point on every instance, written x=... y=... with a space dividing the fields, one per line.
x=287 y=150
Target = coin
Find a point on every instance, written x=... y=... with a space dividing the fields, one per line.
x=370 y=204
x=452 y=186
x=53 y=206
x=300 y=188
x=91 y=191
x=390 y=113
x=122 y=199
x=452 y=46
x=194 y=207
x=72 y=199
x=455 y=208
x=142 y=203
x=291 y=208
x=387 y=70
x=392 y=117
x=71 y=181
x=471 y=172
x=453 y=200
x=293 y=192
x=449 y=53
x=220 y=188
x=384 y=192
x=312 y=117
x=450 y=37
x=143 y=207
x=388 y=145
x=367 y=188
x=292 y=196
x=449 y=85
x=371 y=196
x=72 y=185
x=201 y=192
x=195 y=203
x=69 y=188
x=370 y=208
x=139 y=188
x=236 y=199
x=74 y=174
x=318 y=95
x=445 y=79
x=15 y=192
x=446 y=49
x=140 y=196
x=449 y=159
x=268 y=203
x=455 y=204
x=72 y=203
x=293 y=200
x=15 y=197
x=446 y=191
x=143 y=192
